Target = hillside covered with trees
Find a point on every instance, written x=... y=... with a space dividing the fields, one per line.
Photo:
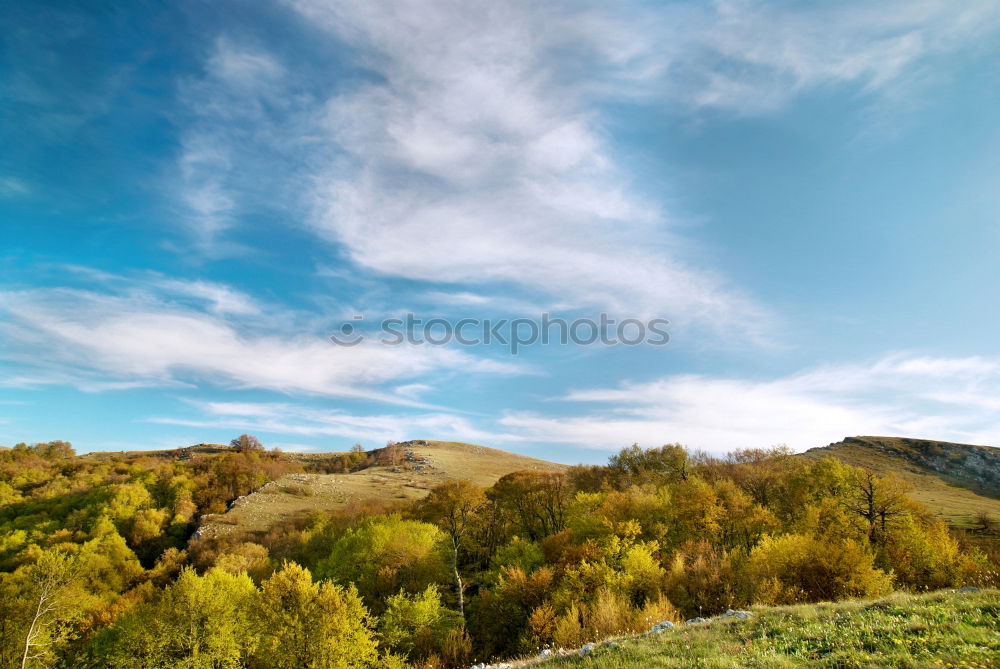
x=102 y=566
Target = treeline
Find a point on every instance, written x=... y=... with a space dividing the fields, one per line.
x=466 y=574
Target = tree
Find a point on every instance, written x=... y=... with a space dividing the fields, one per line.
x=245 y=557
x=55 y=450
x=419 y=626
x=197 y=622
x=742 y=521
x=537 y=501
x=50 y=601
x=452 y=506
x=666 y=464
x=385 y=554
x=878 y=500
x=316 y=625
x=246 y=443
x=391 y=455
x=763 y=473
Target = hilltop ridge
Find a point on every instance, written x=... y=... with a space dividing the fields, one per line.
x=956 y=480
x=423 y=464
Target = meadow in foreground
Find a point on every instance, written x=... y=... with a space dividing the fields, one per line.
x=941 y=629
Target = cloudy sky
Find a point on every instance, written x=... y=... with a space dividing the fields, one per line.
x=195 y=195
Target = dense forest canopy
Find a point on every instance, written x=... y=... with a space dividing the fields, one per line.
x=102 y=566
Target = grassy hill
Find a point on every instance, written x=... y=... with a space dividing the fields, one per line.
x=425 y=465
x=165 y=454
x=956 y=480
x=942 y=629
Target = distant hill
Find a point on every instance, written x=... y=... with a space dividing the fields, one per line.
x=424 y=465
x=956 y=480
x=166 y=454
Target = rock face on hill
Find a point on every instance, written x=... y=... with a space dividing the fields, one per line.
x=973 y=467
x=959 y=481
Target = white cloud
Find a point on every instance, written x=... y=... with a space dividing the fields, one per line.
x=413 y=390
x=479 y=154
x=950 y=399
x=476 y=153
x=937 y=398
x=899 y=395
x=244 y=122
x=239 y=66
x=477 y=157
x=220 y=298
x=100 y=341
x=13 y=187
x=750 y=56
x=374 y=429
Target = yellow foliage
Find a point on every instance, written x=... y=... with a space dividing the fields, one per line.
x=568 y=632
x=800 y=568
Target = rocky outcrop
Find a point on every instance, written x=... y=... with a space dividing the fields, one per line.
x=973 y=467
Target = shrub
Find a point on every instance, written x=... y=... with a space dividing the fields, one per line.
x=704 y=580
x=569 y=630
x=609 y=614
x=419 y=626
x=655 y=611
x=799 y=568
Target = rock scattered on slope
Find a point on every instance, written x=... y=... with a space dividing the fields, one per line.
x=742 y=615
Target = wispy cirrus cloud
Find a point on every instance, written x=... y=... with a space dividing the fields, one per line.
x=475 y=151
x=477 y=157
x=100 y=340
x=219 y=298
x=243 y=122
x=900 y=394
x=292 y=419
x=752 y=57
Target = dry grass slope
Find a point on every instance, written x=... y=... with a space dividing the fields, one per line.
x=432 y=462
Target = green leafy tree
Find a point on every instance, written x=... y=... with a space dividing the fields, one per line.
x=419 y=626
x=302 y=624
x=386 y=554
x=666 y=464
x=197 y=622
x=40 y=605
x=453 y=506
x=536 y=501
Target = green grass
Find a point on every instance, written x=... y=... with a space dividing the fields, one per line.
x=933 y=630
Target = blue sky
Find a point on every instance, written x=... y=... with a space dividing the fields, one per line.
x=194 y=195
